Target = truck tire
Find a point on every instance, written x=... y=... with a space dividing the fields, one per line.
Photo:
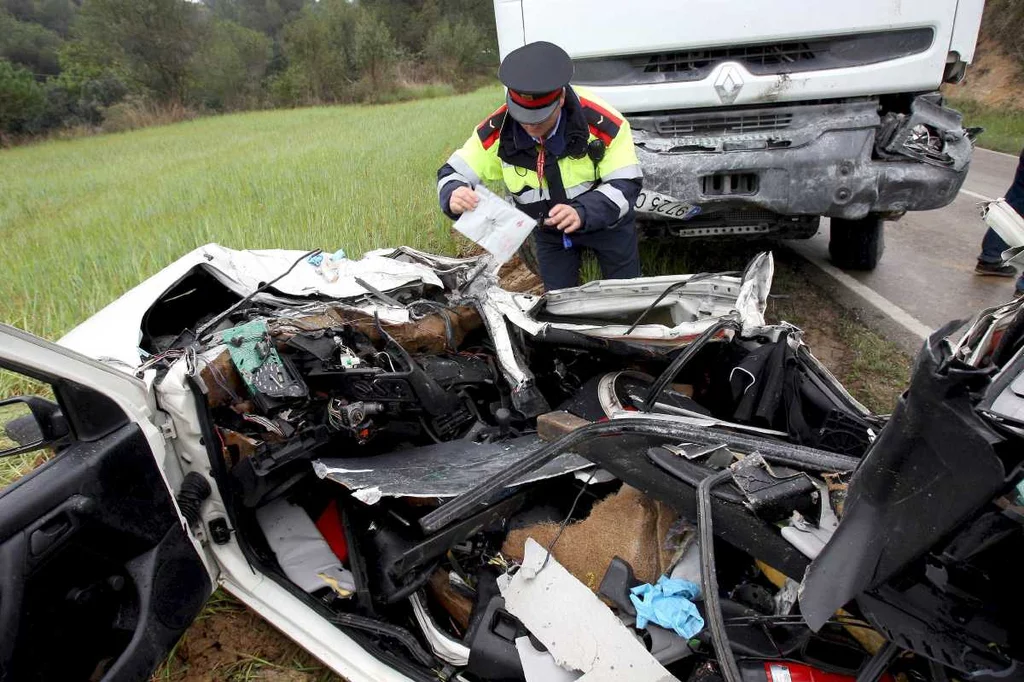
x=856 y=244
x=528 y=254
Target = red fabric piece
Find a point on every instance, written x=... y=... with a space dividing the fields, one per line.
x=329 y=525
x=534 y=101
x=601 y=110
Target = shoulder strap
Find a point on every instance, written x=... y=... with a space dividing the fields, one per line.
x=603 y=124
x=490 y=128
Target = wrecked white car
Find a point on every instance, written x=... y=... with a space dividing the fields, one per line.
x=416 y=474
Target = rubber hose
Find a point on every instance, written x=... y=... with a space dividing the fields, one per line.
x=194 y=490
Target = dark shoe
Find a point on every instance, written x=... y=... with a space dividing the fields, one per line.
x=995 y=269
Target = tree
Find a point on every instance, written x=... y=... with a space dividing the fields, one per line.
x=320 y=53
x=373 y=49
x=21 y=98
x=150 y=42
x=458 y=48
x=29 y=44
x=228 y=69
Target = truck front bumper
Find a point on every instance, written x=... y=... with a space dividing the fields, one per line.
x=843 y=160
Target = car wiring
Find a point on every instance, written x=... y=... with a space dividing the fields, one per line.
x=263 y=287
x=568 y=517
x=674 y=287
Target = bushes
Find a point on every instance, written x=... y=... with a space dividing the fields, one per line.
x=458 y=48
x=70 y=63
x=22 y=100
x=229 y=67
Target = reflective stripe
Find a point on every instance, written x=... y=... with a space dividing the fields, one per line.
x=450 y=178
x=573 y=192
x=532 y=196
x=462 y=166
x=617 y=197
x=625 y=173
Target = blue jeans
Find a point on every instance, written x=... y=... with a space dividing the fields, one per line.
x=992 y=247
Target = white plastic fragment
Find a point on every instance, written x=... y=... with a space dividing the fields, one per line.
x=807 y=537
x=540 y=666
x=304 y=555
x=443 y=646
x=368 y=495
x=579 y=630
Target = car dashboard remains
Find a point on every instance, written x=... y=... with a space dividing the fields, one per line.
x=641 y=475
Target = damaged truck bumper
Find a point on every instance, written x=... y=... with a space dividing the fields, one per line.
x=841 y=160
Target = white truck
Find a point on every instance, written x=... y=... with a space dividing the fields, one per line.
x=769 y=115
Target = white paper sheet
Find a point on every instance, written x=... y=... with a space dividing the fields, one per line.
x=495 y=225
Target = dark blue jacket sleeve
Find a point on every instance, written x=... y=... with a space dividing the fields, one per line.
x=608 y=204
x=445 y=189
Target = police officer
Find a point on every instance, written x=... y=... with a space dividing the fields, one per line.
x=567 y=159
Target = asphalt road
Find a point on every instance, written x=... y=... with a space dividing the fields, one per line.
x=926 y=276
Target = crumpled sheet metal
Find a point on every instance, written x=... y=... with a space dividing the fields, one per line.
x=443 y=470
x=754 y=290
x=578 y=629
x=251 y=268
x=427 y=334
x=708 y=300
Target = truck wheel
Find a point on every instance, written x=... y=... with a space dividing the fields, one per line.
x=856 y=244
x=528 y=254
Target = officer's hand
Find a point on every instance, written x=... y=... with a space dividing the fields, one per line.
x=463 y=199
x=565 y=218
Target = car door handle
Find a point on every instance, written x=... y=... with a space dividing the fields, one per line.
x=49 y=534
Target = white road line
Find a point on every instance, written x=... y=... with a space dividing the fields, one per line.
x=979 y=197
x=884 y=305
x=993 y=151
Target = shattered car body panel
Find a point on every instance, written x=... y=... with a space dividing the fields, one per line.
x=404 y=420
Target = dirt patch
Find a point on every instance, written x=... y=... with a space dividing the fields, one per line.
x=229 y=642
x=515 y=276
x=994 y=78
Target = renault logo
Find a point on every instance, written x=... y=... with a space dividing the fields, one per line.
x=728 y=84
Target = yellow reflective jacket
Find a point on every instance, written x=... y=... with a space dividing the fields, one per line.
x=602 y=184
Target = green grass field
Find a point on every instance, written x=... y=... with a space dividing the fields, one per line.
x=84 y=220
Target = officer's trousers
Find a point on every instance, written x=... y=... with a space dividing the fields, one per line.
x=615 y=248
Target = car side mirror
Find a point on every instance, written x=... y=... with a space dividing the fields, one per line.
x=30 y=423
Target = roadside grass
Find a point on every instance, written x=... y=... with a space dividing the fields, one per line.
x=1004 y=128
x=84 y=220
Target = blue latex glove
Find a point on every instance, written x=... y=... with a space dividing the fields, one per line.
x=668 y=604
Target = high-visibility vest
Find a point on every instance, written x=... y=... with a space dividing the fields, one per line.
x=483 y=159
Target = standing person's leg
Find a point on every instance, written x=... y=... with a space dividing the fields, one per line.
x=991 y=257
x=617 y=251
x=559 y=266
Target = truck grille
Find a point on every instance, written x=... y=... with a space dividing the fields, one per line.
x=752 y=55
x=729 y=184
x=723 y=124
x=760 y=59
